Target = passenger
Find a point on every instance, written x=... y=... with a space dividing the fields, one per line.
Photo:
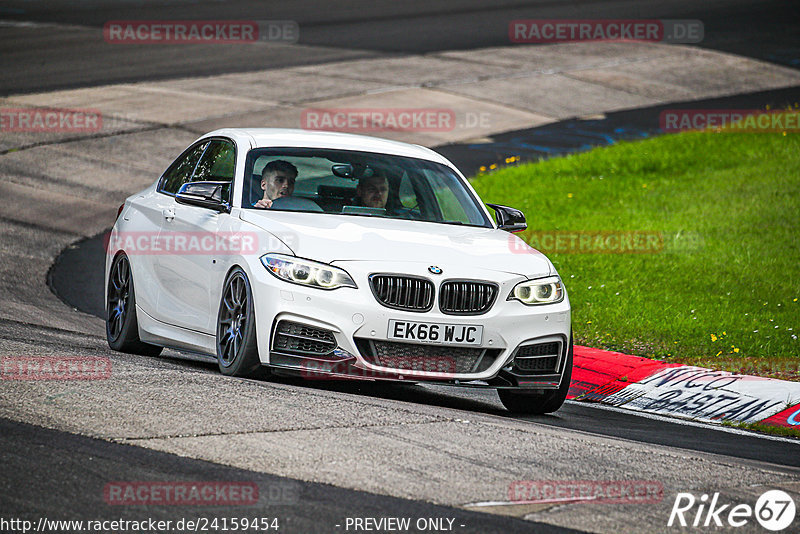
x=372 y=192
x=277 y=180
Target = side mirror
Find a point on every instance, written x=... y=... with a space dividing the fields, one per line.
x=509 y=219
x=210 y=195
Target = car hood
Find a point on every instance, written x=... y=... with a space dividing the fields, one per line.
x=330 y=238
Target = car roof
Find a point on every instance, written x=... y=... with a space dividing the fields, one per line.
x=285 y=137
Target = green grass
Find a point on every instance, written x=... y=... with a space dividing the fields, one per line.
x=765 y=429
x=727 y=206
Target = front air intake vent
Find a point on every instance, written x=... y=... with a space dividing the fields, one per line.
x=432 y=358
x=302 y=340
x=538 y=358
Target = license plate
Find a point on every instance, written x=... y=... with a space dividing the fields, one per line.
x=436 y=333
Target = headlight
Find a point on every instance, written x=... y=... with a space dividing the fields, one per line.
x=306 y=272
x=542 y=291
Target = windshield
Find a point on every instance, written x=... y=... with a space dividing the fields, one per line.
x=358 y=184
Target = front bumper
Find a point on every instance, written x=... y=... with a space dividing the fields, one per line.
x=358 y=325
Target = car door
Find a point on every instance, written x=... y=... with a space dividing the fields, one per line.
x=145 y=221
x=187 y=274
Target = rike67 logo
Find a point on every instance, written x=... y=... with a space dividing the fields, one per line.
x=774 y=510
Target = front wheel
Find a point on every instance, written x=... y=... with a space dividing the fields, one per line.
x=519 y=401
x=122 y=328
x=237 y=350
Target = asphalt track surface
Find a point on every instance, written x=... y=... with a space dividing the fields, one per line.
x=59 y=457
x=75 y=55
x=60 y=474
x=576 y=135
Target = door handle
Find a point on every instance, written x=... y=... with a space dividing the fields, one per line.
x=169 y=214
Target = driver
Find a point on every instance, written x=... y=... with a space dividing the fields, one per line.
x=277 y=180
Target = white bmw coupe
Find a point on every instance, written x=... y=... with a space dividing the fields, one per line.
x=329 y=255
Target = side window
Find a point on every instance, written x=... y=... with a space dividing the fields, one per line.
x=408 y=197
x=181 y=170
x=217 y=163
x=451 y=198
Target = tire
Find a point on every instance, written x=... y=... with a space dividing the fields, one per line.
x=237 y=349
x=521 y=402
x=122 y=328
